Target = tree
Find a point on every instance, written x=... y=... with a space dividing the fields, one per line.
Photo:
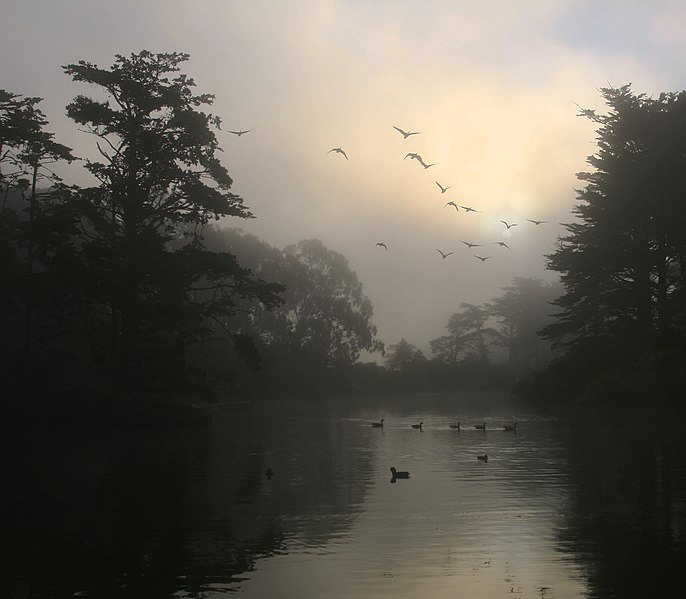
x=623 y=265
x=522 y=311
x=467 y=339
x=151 y=285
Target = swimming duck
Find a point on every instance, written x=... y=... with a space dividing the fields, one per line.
x=399 y=473
x=419 y=426
x=378 y=424
x=482 y=458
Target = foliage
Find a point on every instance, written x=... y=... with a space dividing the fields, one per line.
x=467 y=339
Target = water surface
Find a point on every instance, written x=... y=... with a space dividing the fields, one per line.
x=568 y=506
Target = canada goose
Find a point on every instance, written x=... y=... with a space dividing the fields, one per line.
x=507 y=427
x=339 y=151
x=418 y=426
x=483 y=458
x=239 y=133
x=457 y=426
x=480 y=427
x=502 y=244
x=443 y=189
x=508 y=225
x=383 y=245
x=444 y=256
x=471 y=245
x=406 y=134
x=412 y=155
x=483 y=258
x=469 y=209
x=537 y=222
x=378 y=424
x=453 y=204
x=269 y=473
x=399 y=473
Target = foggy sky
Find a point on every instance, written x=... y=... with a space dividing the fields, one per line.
x=491 y=85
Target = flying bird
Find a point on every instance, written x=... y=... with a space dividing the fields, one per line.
x=443 y=254
x=537 y=222
x=453 y=204
x=469 y=209
x=406 y=134
x=443 y=189
x=383 y=245
x=471 y=245
x=339 y=151
x=502 y=244
x=508 y=225
x=482 y=258
x=424 y=164
x=241 y=132
x=412 y=155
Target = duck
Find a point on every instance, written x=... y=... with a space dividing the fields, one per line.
x=419 y=426
x=482 y=458
x=480 y=427
x=507 y=427
x=457 y=426
x=399 y=473
x=378 y=424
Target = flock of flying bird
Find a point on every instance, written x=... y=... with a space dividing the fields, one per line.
x=479 y=427
x=443 y=189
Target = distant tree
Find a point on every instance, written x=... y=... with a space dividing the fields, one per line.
x=468 y=337
x=522 y=311
x=404 y=357
x=152 y=286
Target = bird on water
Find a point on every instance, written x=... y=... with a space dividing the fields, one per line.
x=378 y=424
x=513 y=428
x=418 y=426
x=480 y=427
x=482 y=458
x=399 y=473
x=457 y=426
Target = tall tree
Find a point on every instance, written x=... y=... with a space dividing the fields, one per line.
x=623 y=263
x=468 y=336
x=160 y=181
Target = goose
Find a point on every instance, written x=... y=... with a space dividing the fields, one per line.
x=483 y=458
x=378 y=424
x=513 y=428
x=269 y=473
x=406 y=134
x=399 y=473
x=469 y=209
x=482 y=258
x=453 y=204
x=443 y=255
x=383 y=245
x=536 y=222
x=412 y=155
x=480 y=427
x=508 y=225
x=241 y=132
x=339 y=151
x=443 y=189
x=457 y=426
x=424 y=164
x=418 y=426
x=471 y=245
x=502 y=244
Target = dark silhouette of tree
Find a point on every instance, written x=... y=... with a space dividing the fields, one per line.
x=35 y=224
x=623 y=263
x=151 y=285
x=404 y=357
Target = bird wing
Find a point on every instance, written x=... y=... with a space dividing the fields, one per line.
x=405 y=134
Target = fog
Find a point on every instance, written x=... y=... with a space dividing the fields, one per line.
x=493 y=90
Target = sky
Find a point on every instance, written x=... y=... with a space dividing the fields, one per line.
x=493 y=87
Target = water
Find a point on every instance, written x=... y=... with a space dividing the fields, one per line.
x=567 y=507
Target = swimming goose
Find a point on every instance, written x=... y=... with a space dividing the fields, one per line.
x=483 y=458
x=378 y=424
x=269 y=473
x=507 y=427
x=399 y=473
x=480 y=427
x=457 y=426
x=419 y=426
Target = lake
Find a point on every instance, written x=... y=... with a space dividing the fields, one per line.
x=584 y=504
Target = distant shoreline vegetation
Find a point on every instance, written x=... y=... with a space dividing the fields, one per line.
x=128 y=294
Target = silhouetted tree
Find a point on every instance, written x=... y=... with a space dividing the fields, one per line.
x=404 y=357
x=152 y=286
x=623 y=264
x=468 y=337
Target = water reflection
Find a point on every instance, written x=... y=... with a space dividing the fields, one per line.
x=562 y=508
